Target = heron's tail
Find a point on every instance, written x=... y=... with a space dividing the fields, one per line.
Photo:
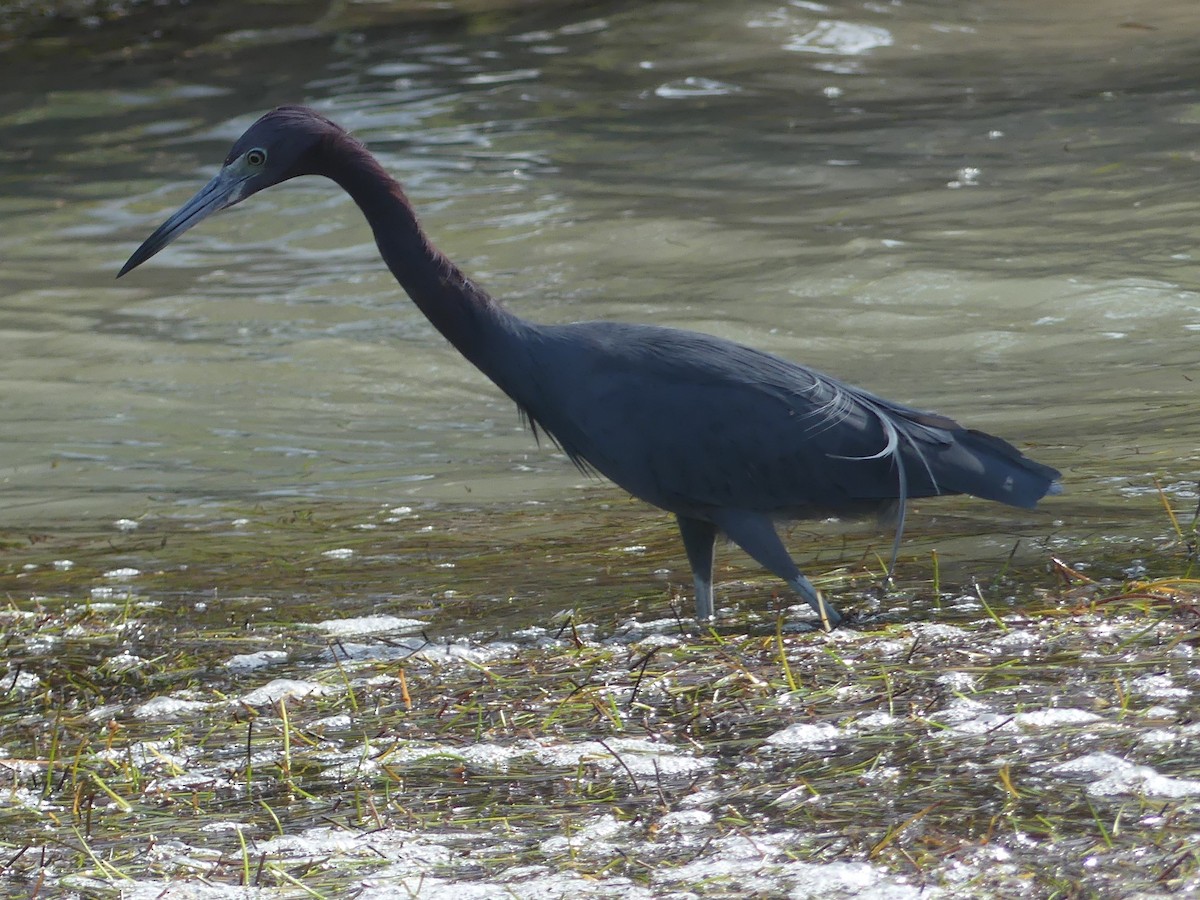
x=983 y=465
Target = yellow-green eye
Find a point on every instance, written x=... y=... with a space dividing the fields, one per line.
x=256 y=157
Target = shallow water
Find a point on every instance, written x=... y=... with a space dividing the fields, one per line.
x=982 y=209
x=180 y=747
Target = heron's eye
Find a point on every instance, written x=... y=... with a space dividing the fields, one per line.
x=256 y=157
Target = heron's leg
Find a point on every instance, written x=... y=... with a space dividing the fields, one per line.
x=698 y=540
x=755 y=533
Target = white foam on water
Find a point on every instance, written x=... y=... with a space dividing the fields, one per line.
x=1114 y=775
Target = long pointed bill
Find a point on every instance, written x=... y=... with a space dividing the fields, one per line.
x=222 y=192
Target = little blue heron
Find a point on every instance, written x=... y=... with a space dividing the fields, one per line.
x=726 y=437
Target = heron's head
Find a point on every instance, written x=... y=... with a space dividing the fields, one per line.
x=282 y=144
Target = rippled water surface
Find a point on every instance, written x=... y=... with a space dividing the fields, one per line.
x=982 y=208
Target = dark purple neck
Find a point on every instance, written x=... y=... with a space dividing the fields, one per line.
x=461 y=310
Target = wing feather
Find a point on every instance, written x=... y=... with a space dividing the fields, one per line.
x=691 y=423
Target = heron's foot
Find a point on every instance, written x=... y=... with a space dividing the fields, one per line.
x=828 y=617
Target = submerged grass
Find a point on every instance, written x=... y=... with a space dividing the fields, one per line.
x=235 y=717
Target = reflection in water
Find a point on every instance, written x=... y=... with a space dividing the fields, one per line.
x=974 y=209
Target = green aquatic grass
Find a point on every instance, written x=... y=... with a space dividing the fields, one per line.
x=96 y=798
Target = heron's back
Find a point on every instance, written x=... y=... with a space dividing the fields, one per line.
x=691 y=423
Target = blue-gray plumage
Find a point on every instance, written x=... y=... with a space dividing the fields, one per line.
x=726 y=437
